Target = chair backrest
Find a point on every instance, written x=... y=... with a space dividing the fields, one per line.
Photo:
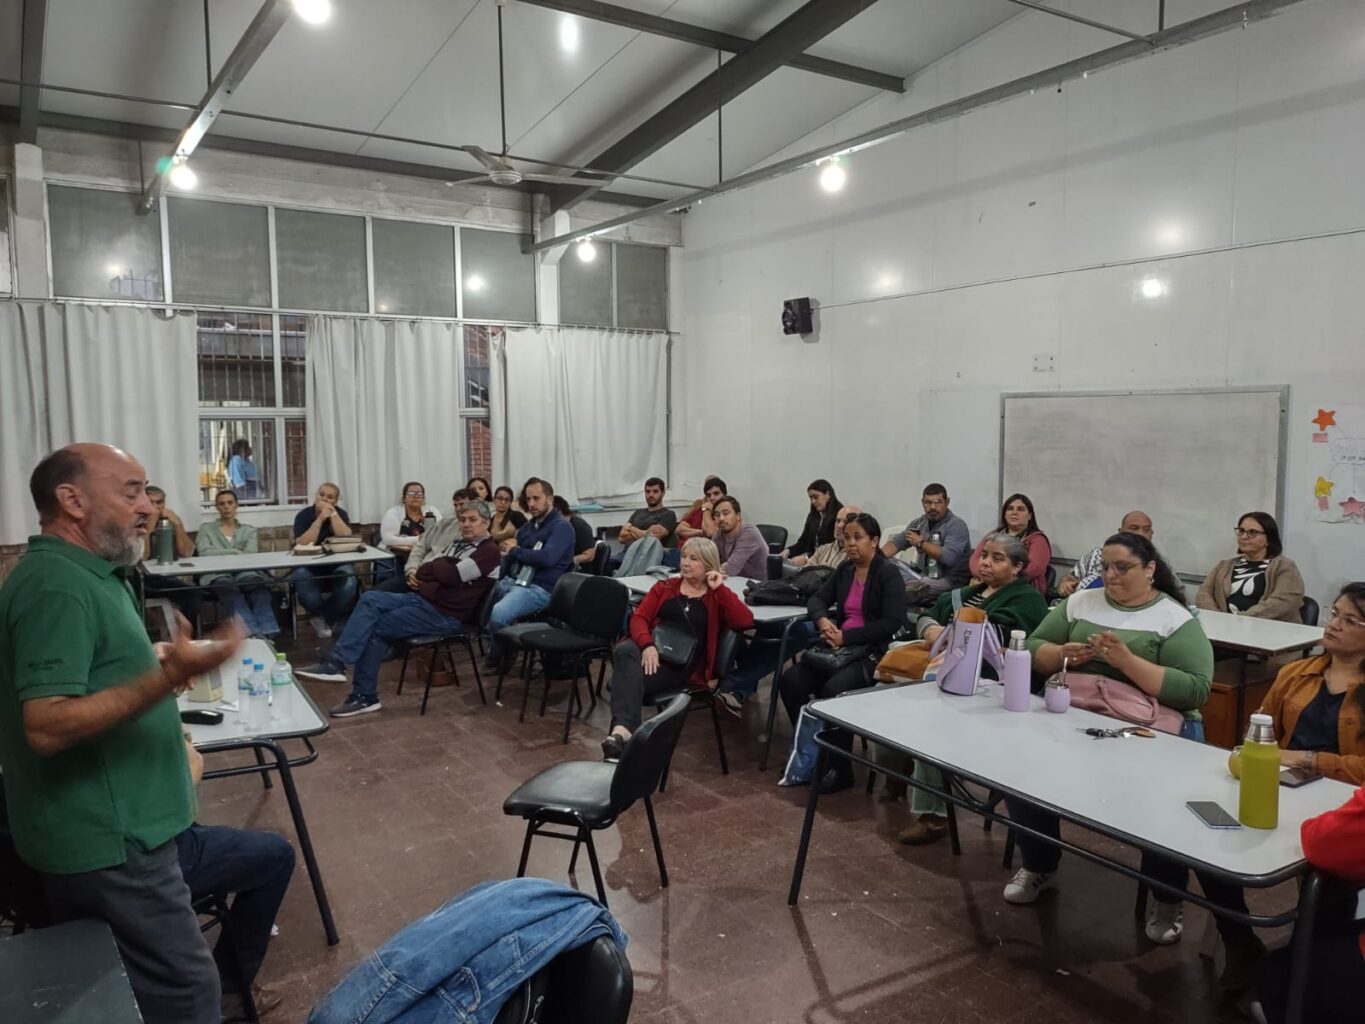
x=565 y=596
x=727 y=646
x=1309 y=611
x=775 y=536
x=601 y=558
x=1051 y=578
x=599 y=607
x=592 y=984
x=647 y=754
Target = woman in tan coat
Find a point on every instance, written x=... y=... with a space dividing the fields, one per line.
x=1260 y=580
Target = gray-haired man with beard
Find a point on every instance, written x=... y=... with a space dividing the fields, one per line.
x=95 y=769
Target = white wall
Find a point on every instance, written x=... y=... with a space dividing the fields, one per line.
x=1230 y=169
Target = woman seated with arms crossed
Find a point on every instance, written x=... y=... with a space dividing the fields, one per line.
x=226 y=536
x=480 y=488
x=1137 y=630
x=1259 y=581
x=400 y=529
x=1010 y=602
x=1017 y=519
x=819 y=528
x=1318 y=707
x=696 y=602
x=859 y=608
x=506 y=520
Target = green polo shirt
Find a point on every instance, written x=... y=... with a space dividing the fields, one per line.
x=69 y=626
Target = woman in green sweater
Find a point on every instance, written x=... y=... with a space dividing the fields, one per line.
x=1137 y=630
x=226 y=536
x=1010 y=602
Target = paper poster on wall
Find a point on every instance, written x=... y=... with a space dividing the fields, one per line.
x=1337 y=464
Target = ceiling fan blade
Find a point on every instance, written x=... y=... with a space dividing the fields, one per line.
x=482 y=179
x=487 y=159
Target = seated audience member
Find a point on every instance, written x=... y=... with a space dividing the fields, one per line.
x=819 y=527
x=939 y=565
x=1334 y=843
x=1017 y=519
x=400 y=528
x=254 y=868
x=830 y=555
x=241 y=471
x=1136 y=630
x=1318 y=709
x=543 y=552
x=175 y=590
x=326 y=592
x=506 y=519
x=696 y=601
x=480 y=488
x=250 y=600
x=742 y=549
x=449 y=586
x=1086 y=572
x=1259 y=580
x=698 y=522
x=653 y=520
x=1010 y=602
x=584 y=542
x=461 y=497
x=858 y=609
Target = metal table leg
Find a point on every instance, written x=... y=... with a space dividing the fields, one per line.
x=783 y=652
x=1241 y=696
x=821 y=761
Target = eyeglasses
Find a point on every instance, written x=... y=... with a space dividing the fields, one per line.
x=414 y=494
x=1121 y=568
x=1346 y=620
x=1247 y=533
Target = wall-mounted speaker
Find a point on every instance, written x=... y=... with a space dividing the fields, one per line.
x=796 y=316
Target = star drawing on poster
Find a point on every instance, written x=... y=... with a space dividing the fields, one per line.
x=1323 y=488
x=1325 y=418
x=1353 y=506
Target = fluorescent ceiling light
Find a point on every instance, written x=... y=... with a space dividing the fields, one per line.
x=833 y=177
x=587 y=252
x=568 y=34
x=315 y=12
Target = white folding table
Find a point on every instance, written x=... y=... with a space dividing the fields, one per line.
x=789 y=615
x=1249 y=635
x=1131 y=790
x=301 y=720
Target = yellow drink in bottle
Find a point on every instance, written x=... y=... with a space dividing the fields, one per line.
x=1258 y=804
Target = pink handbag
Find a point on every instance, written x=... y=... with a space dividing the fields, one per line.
x=1115 y=699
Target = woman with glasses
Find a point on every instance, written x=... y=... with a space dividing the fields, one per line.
x=1018 y=520
x=1258 y=580
x=506 y=520
x=401 y=528
x=1136 y=630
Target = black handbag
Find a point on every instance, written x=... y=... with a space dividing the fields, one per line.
x=825 y=661
x=676 y=646
x=792 y=590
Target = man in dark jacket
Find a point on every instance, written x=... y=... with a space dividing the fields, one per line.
x=448 y=589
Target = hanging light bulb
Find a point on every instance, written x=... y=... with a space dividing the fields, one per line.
x=182 y=174
x=833 y=177
x=315 y=12
x=587 y=252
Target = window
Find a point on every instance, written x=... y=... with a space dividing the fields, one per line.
x=414 y=268
x=498 y=278
x=101 y=247
x=6 y=273
x=321 y=258
x=220 y=252
x=478 y=434
x=250 y=439
x=585 y=298
x=624 y=286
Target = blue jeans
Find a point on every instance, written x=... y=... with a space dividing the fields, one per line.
x=757 y=658
x=330 y=596
x=255 y=868
x=378 y=620
x=251 y=603
x=513 y=603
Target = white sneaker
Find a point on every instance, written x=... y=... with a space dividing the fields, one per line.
x=321 y=628
x=1164 y=922
x=1026 y=886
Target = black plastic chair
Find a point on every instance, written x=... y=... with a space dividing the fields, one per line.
x=1051 y=579
x=598 y=566
x=775 y=536
x=590 y=795
x=584 y=616
x=705 y=697
x=592 y=984
x=436 y=644
x=1309 y=611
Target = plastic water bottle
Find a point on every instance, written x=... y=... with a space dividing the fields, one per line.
x=260 y=697
x=244 y=691
x=931 y=567
x=1017 y=673
x=281 y=689
x=1258 y=799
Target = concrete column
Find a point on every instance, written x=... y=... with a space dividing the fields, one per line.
x=31 y=280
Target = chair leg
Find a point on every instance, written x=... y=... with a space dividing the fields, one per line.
x=596 y=869
x=568 y=710
x=478 y=676
x=953 y=839
x=658 y=847
x=525 y=688
x=720 y=737
x=601 y=676
x=577 y=843
x=1140 y=902
x=404 y=670
x=526 y=847
x=871 y=780
x=545 y=694
x=449 y=651
x=265 y=776
x=433 y=654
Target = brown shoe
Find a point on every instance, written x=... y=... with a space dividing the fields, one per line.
x=926 y=829
x=891 y=791
x=267 y=1000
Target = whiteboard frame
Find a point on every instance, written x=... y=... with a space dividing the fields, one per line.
x=1282 y=390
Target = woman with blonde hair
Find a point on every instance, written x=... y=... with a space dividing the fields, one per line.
x=673 y=638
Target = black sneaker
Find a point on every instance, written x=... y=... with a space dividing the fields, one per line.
x=354 y=706
x=323 y=672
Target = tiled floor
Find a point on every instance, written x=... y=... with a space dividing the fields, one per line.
x=405 y=812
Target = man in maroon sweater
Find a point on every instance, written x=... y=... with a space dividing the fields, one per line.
x=447 y=589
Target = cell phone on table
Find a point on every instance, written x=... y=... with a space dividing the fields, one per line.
x=1293 y=778
x=1212 y=814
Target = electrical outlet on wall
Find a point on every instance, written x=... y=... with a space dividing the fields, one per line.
x=1044 y=362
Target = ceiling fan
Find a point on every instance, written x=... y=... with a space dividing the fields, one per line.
x=500 y=169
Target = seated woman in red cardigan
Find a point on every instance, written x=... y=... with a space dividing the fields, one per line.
x=695 y=604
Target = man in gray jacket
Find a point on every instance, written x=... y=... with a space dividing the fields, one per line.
x=939 y=565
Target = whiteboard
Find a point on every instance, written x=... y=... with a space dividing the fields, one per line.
x=1193 y=460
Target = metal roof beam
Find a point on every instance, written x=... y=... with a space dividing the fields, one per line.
x=31 y=66
x=803 y=28
x=653 y=24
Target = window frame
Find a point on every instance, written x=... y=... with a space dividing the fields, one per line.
x=8 y=252
x=615 y=325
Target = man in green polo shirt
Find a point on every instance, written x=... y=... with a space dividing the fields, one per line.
x=91 y=746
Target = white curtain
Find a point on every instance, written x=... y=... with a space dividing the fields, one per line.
x=121 y=375
x=585 y=409
x=384 y=408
